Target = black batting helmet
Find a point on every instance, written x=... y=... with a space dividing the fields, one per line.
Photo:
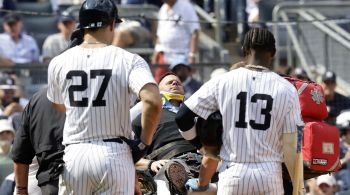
x=98 y=13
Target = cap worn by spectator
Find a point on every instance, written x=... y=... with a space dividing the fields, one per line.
x=5 y=125
x=326 y=179
x=12 y=18
x=343 y=120
x=329 y=76
x=300 y=73
x=66 y=17
x=7 y=82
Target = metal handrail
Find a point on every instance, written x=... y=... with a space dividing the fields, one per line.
x=331 y=24
x=326 y=30
x=296 y=44
x=297 y=5
x=292 y=6
x=328 y=27
x=203 y=14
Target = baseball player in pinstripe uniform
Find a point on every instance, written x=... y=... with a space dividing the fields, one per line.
x=91 y=83
x=260 y=114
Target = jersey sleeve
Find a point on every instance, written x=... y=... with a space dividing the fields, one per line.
x=53 y=90
x=22 y=149
x=293 y=118
x=204 y=101
x=140 y=75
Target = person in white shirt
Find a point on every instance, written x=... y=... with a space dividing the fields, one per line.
x=177 y=33
x=16 y=46
x=57 y=43
x=179 y=36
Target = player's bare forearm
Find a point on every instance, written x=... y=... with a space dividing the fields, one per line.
x=193 y=49
x=152 y=106
x=290 y=155
x=21 y=177
x=207 y=170
x=194 y=41
x=59 y=107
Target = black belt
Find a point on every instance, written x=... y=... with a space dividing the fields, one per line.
x=118 y=140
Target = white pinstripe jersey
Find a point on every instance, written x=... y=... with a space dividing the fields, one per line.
x=257 y=108
x=94 y=84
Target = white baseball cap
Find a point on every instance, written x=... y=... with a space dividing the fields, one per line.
x=327 y=179
x=5 y=125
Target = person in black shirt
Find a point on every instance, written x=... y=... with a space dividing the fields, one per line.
x=167 y=132
x=336 y=102
x=40 y=134
x=167 y=141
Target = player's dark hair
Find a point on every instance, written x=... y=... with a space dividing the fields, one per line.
x=165 y=75
x=259 y=39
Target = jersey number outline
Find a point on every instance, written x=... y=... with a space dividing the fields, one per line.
x=241 y=123
x=99 y=101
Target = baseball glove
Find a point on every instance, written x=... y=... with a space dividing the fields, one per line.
x=209 y=132
x=147 y=184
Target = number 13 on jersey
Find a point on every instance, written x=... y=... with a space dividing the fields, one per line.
x=241 y=123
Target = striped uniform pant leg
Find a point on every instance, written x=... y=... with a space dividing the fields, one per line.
x=74 y=178
x=251 y=178
x=235 y=180
x=268 y=177
x=114 y=170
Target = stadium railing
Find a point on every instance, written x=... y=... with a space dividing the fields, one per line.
x=315 y=36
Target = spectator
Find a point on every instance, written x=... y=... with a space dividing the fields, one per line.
x=15 y=44
x=300 y=73
x=9 y=103
x=56 y=43
x=175 y=36
x=322 y=185
x=183 y=70
x=8 y=185
x=7 y=134
x=334 y=100
x=327 y=184
x=253 y=12
x=343 y=176
x=61 y=5
x=131 y=33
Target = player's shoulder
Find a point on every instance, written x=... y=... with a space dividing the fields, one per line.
x=285 y=83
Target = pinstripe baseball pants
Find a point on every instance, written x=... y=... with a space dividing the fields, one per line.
x=98 y=168
x=251 y=178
